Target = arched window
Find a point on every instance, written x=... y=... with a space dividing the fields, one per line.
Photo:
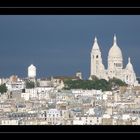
x=96 y=56
x=127 y=77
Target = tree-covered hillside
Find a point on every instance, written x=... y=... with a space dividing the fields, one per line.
x=94 y=84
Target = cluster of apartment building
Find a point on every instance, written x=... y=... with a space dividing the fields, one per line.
x=49 y=104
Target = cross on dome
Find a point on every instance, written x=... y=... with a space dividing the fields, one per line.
x=129 y=61
x=115 y=39
x=95 y=40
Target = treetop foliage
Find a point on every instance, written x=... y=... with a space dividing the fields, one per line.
x=3 y=88
x=98 y=84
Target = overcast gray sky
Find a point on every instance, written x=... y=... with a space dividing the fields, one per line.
x=61 y=44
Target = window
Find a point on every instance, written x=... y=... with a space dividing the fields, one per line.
x=118 y=65
x=96 y=56
x=127 y=77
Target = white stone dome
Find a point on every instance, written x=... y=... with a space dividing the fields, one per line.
x=129 y=66
x=115 y=51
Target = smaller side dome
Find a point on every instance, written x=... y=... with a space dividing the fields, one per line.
x=129 y=66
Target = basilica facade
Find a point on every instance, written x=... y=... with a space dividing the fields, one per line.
x=115 y=64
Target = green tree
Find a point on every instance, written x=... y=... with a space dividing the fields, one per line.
x=30 y=84
x=94 y=84
x=87 y=84
x=3 y=88
x=94 y=78
x=115 y=83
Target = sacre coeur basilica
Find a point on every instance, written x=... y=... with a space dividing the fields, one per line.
x=115 y=66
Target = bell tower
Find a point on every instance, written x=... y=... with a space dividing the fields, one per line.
x=96 y=60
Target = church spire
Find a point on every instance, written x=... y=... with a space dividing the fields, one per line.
x=129 y=61
x=115 y=39
x=95 y=39
x=95 y=45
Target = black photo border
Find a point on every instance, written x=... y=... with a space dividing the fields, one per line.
x=57 y=9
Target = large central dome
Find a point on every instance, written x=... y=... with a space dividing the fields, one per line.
x=115 y=51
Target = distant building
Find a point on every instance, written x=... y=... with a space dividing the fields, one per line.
x=115 y=65
x=53 y=117
x=3 y=80
x=13 y=78
x=6 y=121
x=14 y=83
x=44 y=82
x=31 y=71
x=79 y=74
